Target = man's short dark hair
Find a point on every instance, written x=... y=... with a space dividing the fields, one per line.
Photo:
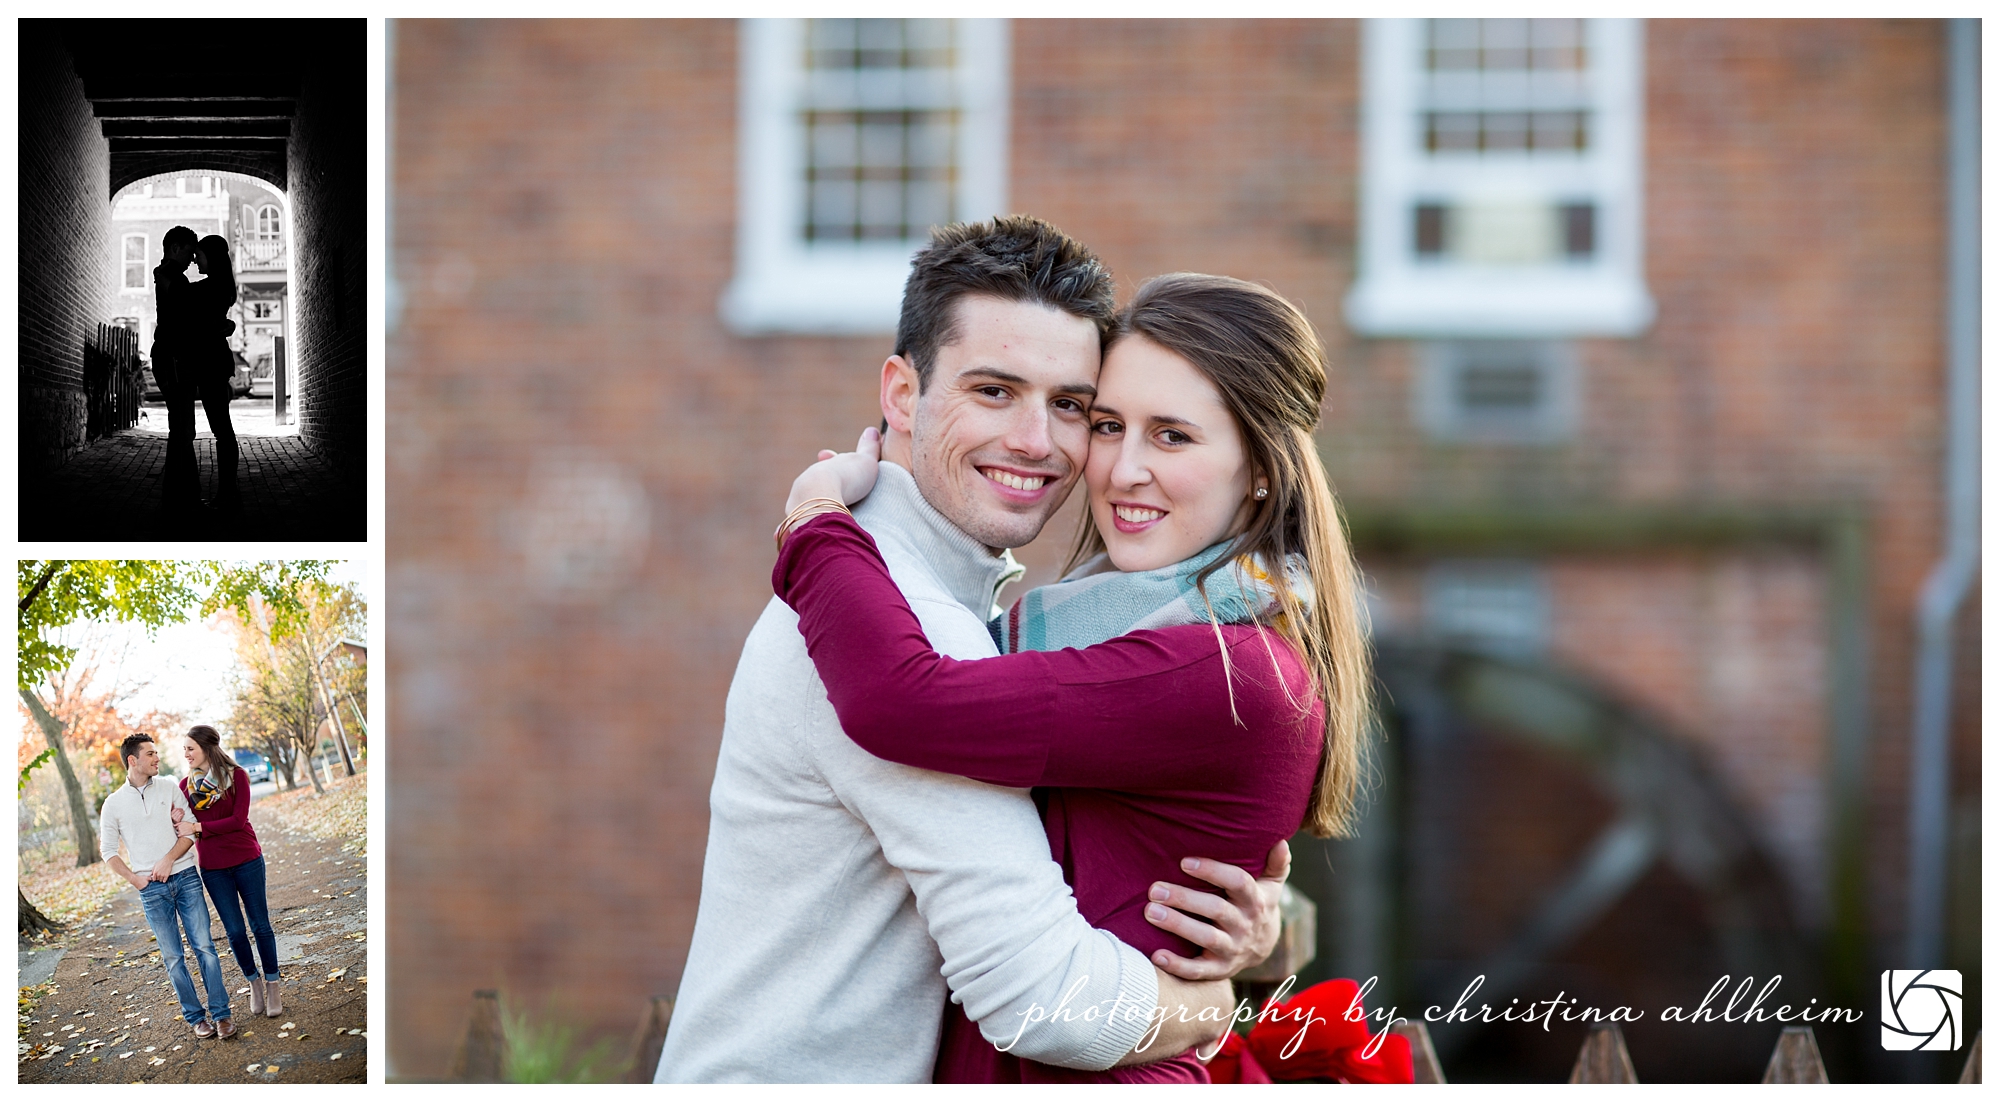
x=130 y=747
x=177 y=236
x=1015 y=257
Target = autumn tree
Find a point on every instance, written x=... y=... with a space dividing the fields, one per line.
x=289 y=683
x=86 y=710
x=56 y=593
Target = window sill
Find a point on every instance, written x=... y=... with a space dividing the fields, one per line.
x=1499 y=302
x=823 y=291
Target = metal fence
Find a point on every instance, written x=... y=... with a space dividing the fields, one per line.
x=112 y=380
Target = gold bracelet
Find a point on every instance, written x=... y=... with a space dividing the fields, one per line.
x=804 y=511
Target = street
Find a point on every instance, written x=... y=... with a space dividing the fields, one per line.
x=109 y=1015
x=248 y=416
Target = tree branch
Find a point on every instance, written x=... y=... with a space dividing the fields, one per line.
x=40 y=583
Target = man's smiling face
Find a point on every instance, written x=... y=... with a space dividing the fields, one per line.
x=1001 y=433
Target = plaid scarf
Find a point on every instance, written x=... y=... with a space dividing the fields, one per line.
x=202 y=792
x=1096 y=602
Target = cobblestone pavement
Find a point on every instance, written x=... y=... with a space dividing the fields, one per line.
x=111 y=1015
x=110 y=490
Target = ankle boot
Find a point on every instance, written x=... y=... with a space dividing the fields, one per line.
x=274 y=1004
x=256 y=995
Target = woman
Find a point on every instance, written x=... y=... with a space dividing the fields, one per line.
x=210 y=300
x=231 y=861
x=1199 y=687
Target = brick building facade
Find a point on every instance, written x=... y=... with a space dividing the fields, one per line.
x=247 y=214
x=1727 y=524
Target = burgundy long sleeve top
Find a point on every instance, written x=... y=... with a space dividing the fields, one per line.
x=227 y=838
x=1130 y=745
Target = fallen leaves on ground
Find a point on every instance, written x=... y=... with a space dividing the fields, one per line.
x=341 y=814
x=66 y=893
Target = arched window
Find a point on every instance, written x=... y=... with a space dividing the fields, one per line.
x=268 y=224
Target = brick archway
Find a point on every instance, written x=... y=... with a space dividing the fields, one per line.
x=109 y=103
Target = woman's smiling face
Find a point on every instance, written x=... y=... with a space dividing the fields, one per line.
x=1168 y=472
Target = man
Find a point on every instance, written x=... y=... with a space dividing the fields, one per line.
x=843 y=897
x=173 y=369
x=140 y=816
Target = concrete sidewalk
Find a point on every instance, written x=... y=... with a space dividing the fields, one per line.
x=110 y=490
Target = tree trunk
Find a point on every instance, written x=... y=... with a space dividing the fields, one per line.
x=284 y=767
x=33 y=923
x=82 y=827
x=312 y=770
x=326 y=697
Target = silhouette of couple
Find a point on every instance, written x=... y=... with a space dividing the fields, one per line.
x=192 y=360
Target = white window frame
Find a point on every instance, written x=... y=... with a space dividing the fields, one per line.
x=783 y=284
x=144 y=258
x=1396 y=294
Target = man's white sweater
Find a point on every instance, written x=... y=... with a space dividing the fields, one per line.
x=843 y=895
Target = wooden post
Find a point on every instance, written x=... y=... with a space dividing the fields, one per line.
x=1423 y=1056
x=281 y=408
x=480 y=1052
x=1971 y=1073
x=1603 y=1058
x=648 y=1039
x=1796 y=1059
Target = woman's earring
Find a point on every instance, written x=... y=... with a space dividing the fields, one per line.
x=1262 y=493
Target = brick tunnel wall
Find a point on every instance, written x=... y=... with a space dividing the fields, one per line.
x=66 y=247
x=327 y=169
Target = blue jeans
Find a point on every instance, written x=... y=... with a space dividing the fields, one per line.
x=235 y=890
x=173 y=906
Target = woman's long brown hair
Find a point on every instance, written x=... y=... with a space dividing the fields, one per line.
x=1269 y=365
x=221 y=768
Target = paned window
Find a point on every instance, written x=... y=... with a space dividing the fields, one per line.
x=135 y=262
x=856 y=136
x=1501 y=179
x=877 y=172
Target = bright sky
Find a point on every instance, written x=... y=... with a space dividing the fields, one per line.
x=190 y=665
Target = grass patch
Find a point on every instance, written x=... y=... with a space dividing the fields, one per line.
x=549 y=1051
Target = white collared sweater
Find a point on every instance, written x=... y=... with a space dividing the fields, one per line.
x=844 y=897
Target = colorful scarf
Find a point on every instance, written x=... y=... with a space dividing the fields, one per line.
x=1096 y=602
x=202 y=793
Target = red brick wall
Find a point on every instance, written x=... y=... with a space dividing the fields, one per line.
x=565 y=198
x=564 y=205
x=66 y=249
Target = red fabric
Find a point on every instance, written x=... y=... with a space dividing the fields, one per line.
x=1131 y=746
x=227 y=838
x=1236 y=1064
x=1336 y=1035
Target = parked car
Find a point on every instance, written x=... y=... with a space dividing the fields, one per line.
x=239 y=379
x=255 y=765
x=152 y=391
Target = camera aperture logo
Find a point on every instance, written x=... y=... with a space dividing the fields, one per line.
x=1922 y=1009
